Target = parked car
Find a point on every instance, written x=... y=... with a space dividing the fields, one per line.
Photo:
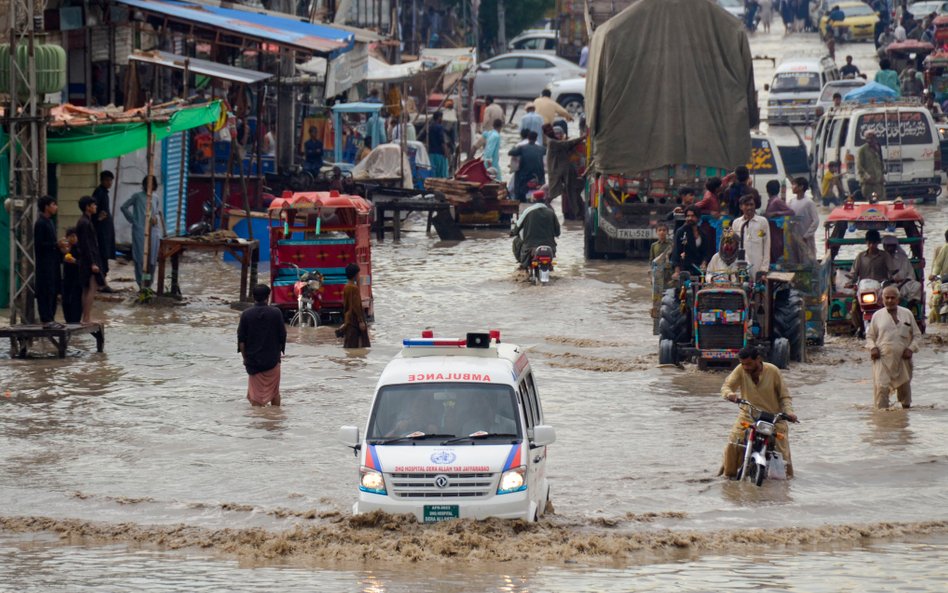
x=522 y=74
x=842 y=87
x=859 y=24
x=926 y=7
x=542 y=40
x=570 y=93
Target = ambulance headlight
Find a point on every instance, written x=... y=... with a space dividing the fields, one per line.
x=512 y=481
x=372 y=481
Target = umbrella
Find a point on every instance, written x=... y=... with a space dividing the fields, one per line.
x=872 y=91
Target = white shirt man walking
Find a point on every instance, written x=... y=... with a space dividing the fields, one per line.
x=892 y=339
x=753 y=236
x=805 y=208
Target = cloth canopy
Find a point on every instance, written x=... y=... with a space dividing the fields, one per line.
x=94 y=143
x=872 y=91
x=662 y=89
x=384 y=163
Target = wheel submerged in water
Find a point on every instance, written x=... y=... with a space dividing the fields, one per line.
x=780 y=353
x=667 y=352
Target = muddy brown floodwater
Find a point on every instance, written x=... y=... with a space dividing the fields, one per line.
x=144 y=468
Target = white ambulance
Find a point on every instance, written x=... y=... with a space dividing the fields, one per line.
x=455 y=431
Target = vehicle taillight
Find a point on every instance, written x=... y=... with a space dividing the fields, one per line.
x=850 y=162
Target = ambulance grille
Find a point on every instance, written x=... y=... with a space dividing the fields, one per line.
x=460 y=485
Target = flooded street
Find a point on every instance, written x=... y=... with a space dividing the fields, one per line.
x=144 y=468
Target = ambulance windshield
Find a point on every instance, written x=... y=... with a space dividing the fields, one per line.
x=454 y=409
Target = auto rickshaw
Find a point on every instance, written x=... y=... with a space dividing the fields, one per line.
x=936 y=75
x=910 y=53
x=313 y=237
x=846 y=230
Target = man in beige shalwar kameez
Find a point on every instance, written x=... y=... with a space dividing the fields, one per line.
x=762 y=385
x=892 y=338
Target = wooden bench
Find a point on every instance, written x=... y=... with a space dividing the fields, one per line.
x=22 y=336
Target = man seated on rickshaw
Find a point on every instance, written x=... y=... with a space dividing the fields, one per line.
x=723 y=264
x=903 y=275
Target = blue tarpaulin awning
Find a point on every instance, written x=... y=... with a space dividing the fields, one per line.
x=319 y=40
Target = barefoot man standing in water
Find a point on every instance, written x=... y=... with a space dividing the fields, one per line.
x=261 y=339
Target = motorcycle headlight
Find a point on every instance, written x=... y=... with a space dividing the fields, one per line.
x=765 y=428
x=372 y=481
x=868 y=298
x=512 y=481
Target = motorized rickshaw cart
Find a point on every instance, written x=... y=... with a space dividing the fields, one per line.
x=846 y=228
x=318 y=234
x=936 y=75
x=910 y=53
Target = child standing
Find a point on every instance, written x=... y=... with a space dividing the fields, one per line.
x=72 y=287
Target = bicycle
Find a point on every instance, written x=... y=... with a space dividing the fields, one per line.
x=306 y=289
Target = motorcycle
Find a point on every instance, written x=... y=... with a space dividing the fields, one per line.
x=869 y=297
x=308 y=298
x=206 y=224
x=541 y=265
x=761 y=460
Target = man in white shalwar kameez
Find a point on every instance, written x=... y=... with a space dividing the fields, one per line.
x=892 y=339
x=753 y=236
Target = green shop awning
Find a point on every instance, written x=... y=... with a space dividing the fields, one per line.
x=94 y=143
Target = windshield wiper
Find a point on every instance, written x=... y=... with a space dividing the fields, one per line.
x=411 y=437
x=479 y=435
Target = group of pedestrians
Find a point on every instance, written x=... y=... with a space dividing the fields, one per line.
x=75 y=267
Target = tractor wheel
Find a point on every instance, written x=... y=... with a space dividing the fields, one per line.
x=667 y=352
x=673 y=324
x=780 y=353
x=788 y=321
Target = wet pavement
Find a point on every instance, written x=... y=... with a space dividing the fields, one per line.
x=145 y=469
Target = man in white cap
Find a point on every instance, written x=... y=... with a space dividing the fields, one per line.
x=532 y=121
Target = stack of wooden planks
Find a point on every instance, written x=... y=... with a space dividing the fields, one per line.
x=465 y=192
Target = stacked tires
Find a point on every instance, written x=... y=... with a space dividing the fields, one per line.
x=672 y=328
x=788 y=323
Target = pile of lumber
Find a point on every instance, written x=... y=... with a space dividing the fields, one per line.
x=464 y=192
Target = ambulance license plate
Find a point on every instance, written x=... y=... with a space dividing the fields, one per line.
x=432 y=513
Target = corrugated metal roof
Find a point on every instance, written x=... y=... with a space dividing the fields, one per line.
x=318 y=39
x=196 y=66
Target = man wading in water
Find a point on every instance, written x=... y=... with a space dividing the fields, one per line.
x=261 y=339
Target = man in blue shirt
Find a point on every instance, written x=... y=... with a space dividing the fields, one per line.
x=437 y=149
x=533 y=121
x=313 y=153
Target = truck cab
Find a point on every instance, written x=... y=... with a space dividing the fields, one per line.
x=455 y=430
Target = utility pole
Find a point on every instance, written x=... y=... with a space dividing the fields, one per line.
x=26 y=129
x=501 y=27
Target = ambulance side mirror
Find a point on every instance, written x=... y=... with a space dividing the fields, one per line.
x=543 y=435
x=349 y=436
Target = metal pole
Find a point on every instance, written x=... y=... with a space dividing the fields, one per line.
x=146 y=274
x=184 y=146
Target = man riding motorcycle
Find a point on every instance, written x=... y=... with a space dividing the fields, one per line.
x=761 y=384
x=536 y=226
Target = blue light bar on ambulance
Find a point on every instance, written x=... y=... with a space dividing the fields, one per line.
x=434 y=342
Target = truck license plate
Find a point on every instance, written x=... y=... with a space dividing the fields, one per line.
x=635 y=234
x=432 y=513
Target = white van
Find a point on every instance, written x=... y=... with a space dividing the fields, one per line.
x=796 y=87
x=455 y=431
x=911 y=147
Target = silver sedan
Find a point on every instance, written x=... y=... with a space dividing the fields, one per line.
x=521 y=75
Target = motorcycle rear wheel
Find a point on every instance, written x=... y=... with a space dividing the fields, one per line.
x=304 y=319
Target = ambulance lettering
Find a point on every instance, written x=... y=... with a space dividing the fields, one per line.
x=476 y=377
x=441 y=468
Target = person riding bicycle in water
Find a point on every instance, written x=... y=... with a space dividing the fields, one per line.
x=537 y=226
x=761 y=384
